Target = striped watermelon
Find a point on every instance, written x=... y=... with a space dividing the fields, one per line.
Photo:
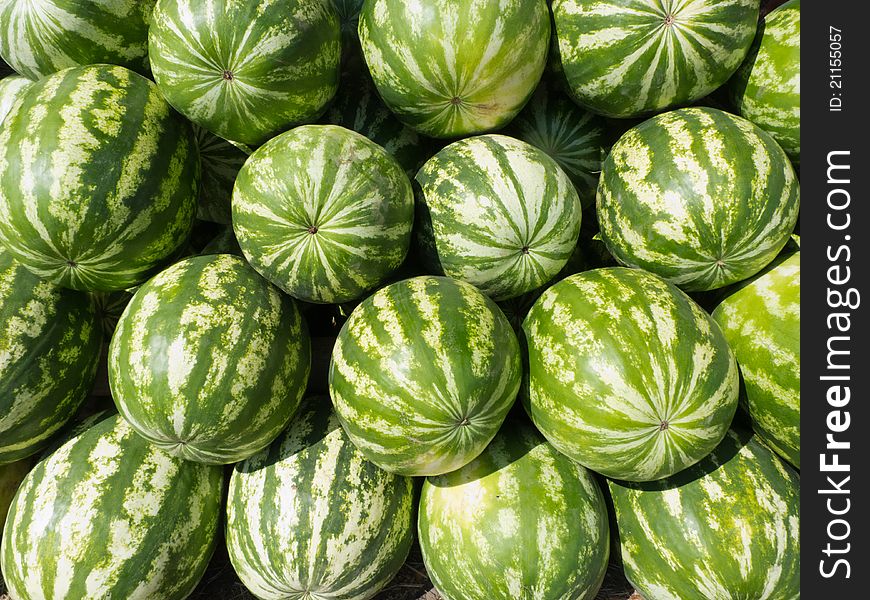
x=11 y=476
x=519 y=521
x=11 y=89
x=767 y=87
x=358 y=107
x=348 y=18
x=243 y=69
x=574 y=138
x=209 y=361
x=627 y=375
x=98 y=178
x=110 y=516
x=310 y=517
x=220 y=161
x=49 y=347
x=110 y=306
x=498 y=213
x=627 y=58
x=762 y=322
x=323 y=213
x=41 y=38
x=701 y=197
x=423 y=373
x=455 y=67
x=223 y=243
x=726 y=528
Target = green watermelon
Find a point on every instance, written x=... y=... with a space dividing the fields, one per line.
x=498 y=213
x=310 y=513
x=762 y=322
x=220 y=161
x=11 y=476
x=451 y=68
x=358 y=107
x=224 y=242
x=423 y=373
x=209 y=361
x=243 y=69
x=767 y=87
x=726 y=528
x=571 y=136
x=627 y=58
x=11 y=89
x=98 y=178
x=698 y=196
x=41 y=38
x=49 y=348
x=520 y=521
x=108 y=515
x=627 y=375
x=348 y=18
x=323 y=213
x=110 y=306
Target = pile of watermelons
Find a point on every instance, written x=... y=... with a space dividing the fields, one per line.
x=517 y=279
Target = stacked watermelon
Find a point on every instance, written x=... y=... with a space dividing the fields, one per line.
x=337 y=245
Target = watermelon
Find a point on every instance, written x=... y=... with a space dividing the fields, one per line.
x=699 y=196
x=11 y=89
x=220 y=162
x=348 y=18
x=762 y=323
x=455 y=67
x=243 y=69
x=224 y=242
x=627 y=375
x=41 y=38
x=423 y=373
x=11 y=476
x=573 y=137
x=498 y=213
x=110 y=306
x=209 y=361
x=358 y=107
x=726 y=528
x=98 y=178
x=767 y=87
x=628 y=58
x=323 y=213
x=49 y=348
x=520 y=521
x=108 y=515
x=311 y=515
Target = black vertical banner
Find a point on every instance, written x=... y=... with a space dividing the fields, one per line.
x=835 y=363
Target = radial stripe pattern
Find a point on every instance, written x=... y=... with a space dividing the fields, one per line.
x=450 y=68
x=358 y=107
x=108 y=515
x=767 y=87
x=627 y=375
x=49 y=349
x=573 y=137
x=209 y=361
x=323 y=213
x=423 y=373
x=701 y=197
x=726 y=528
x=762 y=322
x=498 y=213
x=41 y=37
x=220 y=161
x=627 y=58
x=246 y=70
x=310 y=517
x=519 y=521
x=98 y=178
